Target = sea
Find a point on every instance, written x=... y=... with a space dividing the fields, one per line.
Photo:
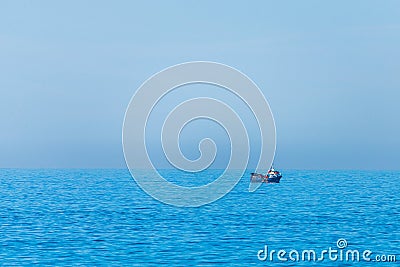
x=101 y=217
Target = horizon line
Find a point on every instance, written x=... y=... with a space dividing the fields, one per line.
x=162 y=169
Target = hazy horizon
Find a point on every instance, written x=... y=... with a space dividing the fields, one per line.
x=330 y=71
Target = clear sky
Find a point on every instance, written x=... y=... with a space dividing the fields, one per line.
x=330 y=70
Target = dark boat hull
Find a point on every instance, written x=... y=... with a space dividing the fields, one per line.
x=274 y=179
x=260 y=178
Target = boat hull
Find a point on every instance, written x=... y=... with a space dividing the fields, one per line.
x=275 y=179
x=260 y=178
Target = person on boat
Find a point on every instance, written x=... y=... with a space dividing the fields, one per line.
x=271 y=170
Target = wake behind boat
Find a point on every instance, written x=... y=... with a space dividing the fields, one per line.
x=272 y=176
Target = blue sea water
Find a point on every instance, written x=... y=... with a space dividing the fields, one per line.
x=101 y=217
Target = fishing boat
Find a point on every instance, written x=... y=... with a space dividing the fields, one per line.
x=272 y=176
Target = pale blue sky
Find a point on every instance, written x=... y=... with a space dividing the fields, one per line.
x=330 y=70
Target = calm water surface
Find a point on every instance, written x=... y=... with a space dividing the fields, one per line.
x=101 y=217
